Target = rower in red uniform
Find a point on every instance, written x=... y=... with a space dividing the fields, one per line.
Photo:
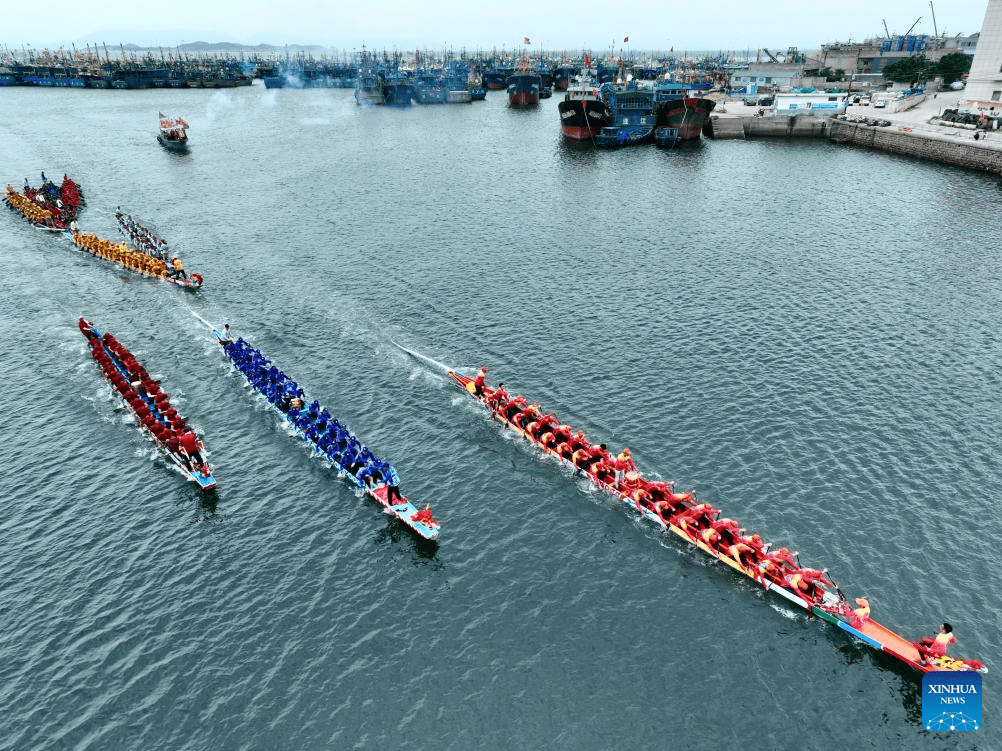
x=742 y=553
x=514 y=405
x=695 y=519
x=577 y=440
x=601 y=464
x=774 y=566
x=496 y=399
x=930 y=648
x=710 y=537
x=522 y=418
x=804 y=581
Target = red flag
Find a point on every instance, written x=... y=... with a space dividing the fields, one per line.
x=526 y=41
x=587 y=60
x=625 y=40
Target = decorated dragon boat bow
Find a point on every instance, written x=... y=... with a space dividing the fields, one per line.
x=49 y=207
x=326 y=436
x=701 y=525
x=151 y=407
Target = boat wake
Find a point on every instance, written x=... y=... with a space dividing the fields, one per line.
x=424 y=358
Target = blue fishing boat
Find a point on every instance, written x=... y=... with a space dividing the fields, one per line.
x=633 y=116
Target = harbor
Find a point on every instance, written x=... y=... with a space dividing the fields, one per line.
x=748 y=317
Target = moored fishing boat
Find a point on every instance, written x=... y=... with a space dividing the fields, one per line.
x=682 y=106
x=149 y=405
x=633 y=119
x=173 y=132
x=49 y=207
x=524 y=86
x=326 y=437
x=582 y=112
x=699 y=524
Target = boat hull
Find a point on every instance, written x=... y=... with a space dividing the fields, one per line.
x=688 y=114
x=582 y=119
x=524 y=89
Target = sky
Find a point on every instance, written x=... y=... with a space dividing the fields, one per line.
x=735 y=25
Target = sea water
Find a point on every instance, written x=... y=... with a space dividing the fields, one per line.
x=807 y=334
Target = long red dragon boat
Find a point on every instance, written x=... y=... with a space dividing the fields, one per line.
x=150 y=405
x=697 y=523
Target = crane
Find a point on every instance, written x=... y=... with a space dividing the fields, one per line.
x=885 y=29
x=912 y=26
x=934 y=29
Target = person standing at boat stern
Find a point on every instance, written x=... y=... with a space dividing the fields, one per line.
x=935 y=647
x=189 y=445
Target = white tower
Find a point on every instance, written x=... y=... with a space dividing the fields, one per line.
x=984 y=82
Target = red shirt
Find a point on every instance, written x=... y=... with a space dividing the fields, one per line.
x=189 y=442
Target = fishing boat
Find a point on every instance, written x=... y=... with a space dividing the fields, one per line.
x=524 y=86
x=682 y=106
x=697 y=524
x=633 y=118
x=398 y=89
x=327 y=438
x=583 y=113
x=368 y=87
x=173 y=132
x=149 y=405
x=48 y=207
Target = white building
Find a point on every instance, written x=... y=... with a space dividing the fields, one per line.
x=818 y=103
x=984 y=83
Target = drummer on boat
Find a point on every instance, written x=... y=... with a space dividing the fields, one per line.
x=622 y=465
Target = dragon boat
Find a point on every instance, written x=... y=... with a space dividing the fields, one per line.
x=131 y=260
x=142 y=239
x=326 y=437
x=49 y=207
x=141 y=394
x=683 y=515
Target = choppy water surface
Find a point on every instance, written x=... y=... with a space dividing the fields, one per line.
x=807 y=334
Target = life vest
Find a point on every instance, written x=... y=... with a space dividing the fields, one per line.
x=178 y=266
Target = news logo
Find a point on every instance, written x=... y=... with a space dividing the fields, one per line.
x=951 y=700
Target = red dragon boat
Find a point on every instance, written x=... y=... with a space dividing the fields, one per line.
x=698 y=524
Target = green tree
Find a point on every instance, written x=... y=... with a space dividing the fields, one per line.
x=953 y=66
x=907 y=69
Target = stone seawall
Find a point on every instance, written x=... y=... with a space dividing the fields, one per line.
x=958 y=149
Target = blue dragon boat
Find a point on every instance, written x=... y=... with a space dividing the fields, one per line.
x=328 y=438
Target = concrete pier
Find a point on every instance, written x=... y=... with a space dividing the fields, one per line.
x=916 y=132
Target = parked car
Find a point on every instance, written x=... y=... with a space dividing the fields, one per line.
x=880 y=103
x=750 y=100
x=765 y=101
